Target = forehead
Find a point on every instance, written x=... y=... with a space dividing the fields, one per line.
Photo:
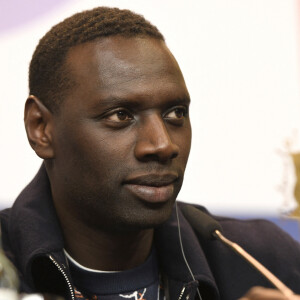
x=118 y=65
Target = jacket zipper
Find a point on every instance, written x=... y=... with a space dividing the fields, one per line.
x=65 y=276
x=181 y=293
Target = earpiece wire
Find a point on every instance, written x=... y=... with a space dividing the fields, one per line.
x=182 y=251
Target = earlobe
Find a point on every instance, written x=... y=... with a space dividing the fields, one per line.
x=39 y=127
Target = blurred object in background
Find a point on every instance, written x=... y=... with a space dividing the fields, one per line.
x=289 y=187
x=8 y=274
x=296 y=160
x=8 y=294
x=39 y=297
x=9 y=282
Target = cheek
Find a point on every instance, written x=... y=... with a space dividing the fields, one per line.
x=91 y=150
x=182 y=138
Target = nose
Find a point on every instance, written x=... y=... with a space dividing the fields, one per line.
x=154 y=142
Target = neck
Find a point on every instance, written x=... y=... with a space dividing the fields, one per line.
x=106 y=251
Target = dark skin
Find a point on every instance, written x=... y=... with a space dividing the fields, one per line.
x=116 y=150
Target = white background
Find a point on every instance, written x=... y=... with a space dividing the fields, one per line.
x=240 y=62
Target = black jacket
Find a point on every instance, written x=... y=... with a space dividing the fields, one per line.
x=32 y=239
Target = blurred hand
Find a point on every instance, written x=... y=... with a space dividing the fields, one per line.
x=260 y=293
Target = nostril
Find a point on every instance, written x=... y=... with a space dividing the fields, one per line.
x=149 y=151
x=174 y=155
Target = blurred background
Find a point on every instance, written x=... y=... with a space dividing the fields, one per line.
x=241 y=62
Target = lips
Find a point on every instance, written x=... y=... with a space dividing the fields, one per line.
x=153 y=188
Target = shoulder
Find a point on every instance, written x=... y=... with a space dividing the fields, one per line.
x=4 y=215
x=5 y=238
x=4 y=219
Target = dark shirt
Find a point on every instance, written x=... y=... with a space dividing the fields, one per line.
x=140 y=283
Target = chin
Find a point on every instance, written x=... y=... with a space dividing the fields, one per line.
x=128 y=215
x=148 y=219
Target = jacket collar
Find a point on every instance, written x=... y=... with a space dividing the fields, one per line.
x=33 y=223
x=35 y=227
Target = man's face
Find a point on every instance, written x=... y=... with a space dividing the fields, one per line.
x=122 y=135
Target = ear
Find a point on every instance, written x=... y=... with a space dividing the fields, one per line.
x=39 y=127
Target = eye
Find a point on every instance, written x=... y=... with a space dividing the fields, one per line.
x=120 y=116
x=177 y=113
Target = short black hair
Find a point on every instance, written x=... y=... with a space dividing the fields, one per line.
x=48 y=77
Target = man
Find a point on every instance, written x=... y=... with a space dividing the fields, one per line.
x=108 y=112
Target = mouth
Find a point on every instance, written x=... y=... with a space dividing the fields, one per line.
x=152 y=188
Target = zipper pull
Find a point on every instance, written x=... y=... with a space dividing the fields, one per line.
x=181 y=293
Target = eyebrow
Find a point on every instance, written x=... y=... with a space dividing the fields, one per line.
x=135 y=102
